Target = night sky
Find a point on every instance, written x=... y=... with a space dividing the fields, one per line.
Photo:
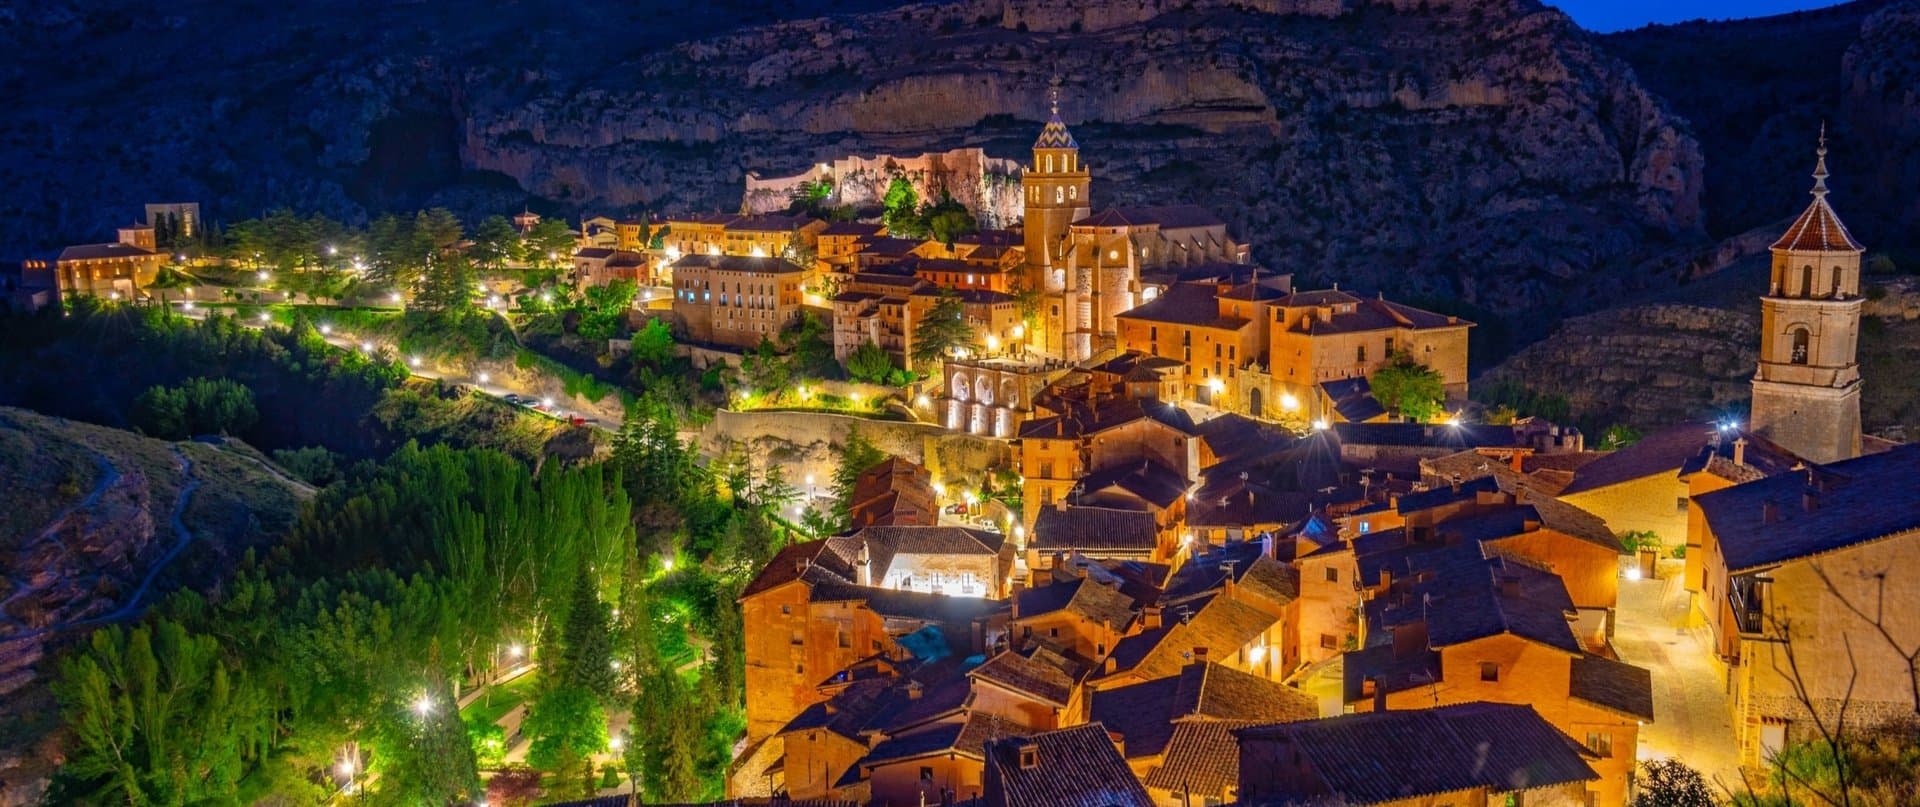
x=1614 y=15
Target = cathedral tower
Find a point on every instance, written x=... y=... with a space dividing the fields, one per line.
x=1806 y=395
x=1055 y=188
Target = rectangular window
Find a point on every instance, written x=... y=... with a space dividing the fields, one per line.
x=786 y=610
x=1489 y=671
x=844 y=640
x=1680 y=504
x=926 y=773
x=1053 y=633
x=1600 y=742
x=1360 y=353
x=1328 y=642
x=799 y=637
x=1389 y=345
x=1333 y=575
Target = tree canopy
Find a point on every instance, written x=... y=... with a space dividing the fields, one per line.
x=1408 y=388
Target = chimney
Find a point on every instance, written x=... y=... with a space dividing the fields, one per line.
x=863 y=572
x=1111 y=665
x=1150 y=617
x=1769 y=512
x=1740 y=451
x=1119 y=742
x=1199 y=655
x=1267 y=545
x=801 y=565
x=913 y=690
x=1029 y=755
x=1409 y=639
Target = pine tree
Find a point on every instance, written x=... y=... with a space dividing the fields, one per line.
x=586 y=640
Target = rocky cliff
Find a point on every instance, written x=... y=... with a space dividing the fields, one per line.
x=1689 y=355
x=1488 y=151
x=1755 y=91
x=95 y=524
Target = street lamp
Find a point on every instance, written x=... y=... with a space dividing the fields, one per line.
x=396 y=298
x=921 y=401
x=666 y=564
x=423 y=706
x=1320 y=425
x=546 y=402
x=484 y=378
x=264 y=276
x=325 y=329
x=266 y=317
x=516 y=651
x=413 y=361
x=366 y=347
x=616 y=742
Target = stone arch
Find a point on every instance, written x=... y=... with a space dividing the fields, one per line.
x=983 y=389
x=1010 y=393
x=961 y=391
x=1806 y=281
x=1801 y=339
x=1254 y=401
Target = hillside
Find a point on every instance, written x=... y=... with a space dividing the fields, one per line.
x=1754 y=91
x=97 y=523
x=1487 y=152
x=1689 y=355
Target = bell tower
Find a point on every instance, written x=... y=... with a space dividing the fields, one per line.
x=1806 y=394
x=1055 y=188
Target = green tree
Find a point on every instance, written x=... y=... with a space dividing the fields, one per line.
x=653 y=344
x=567 y=724
x=811 y=352
x=437 y=231
x=603 y=309
x=667 y=722
x=549 y=244
x=426 y=757
x=1409 y=388
x=902 y=204
x=495 y=243
x=1670 y=783
x=198 y=406
x=857 y=454
x=869 y=363
x=1618 y=436
x=585 y=657
x=394 y=257
x=158 y=716
x=943 y=331
x=446 y=286
x=948 y=220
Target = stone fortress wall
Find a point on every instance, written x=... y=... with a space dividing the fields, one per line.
x=988 y=186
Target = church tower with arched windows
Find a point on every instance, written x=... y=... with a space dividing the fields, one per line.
x=1806 y=395
x=1055 y=188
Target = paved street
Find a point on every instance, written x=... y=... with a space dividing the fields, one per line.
x=1691 y=721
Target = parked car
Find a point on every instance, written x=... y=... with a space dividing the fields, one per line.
x=514 y=399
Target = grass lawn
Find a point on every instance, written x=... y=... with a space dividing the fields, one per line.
x=501 y=700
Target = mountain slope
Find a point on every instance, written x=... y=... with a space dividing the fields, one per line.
x=97 y=523
x=1484 y=151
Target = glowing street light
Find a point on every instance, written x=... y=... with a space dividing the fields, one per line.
x=1453 y=420
x=993 y=343
x=325 y=329
x=922 y=401
x=666 y=564
x=113 y=295
x=264 y=276
x=546 y=297
x=939 y=489
x=396 y=298
x=366 y=347
x=266 y=317
x=344 y=769
x=1216 y=386
x=546 y=402
x=484 y=378
x=615 y=664
x=971 y=497
x=516 y=651
x=187 y=306
x=332 y=250
x=1288 y=402
x=413 y=361
x=423 y=706
x=1320 y=425
x=1019 y=331
x=616 y=742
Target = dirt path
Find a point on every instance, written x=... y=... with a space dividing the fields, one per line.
x=109 y=475
x=182 y=538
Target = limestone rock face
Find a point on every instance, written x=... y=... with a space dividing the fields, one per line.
x=1485 y=150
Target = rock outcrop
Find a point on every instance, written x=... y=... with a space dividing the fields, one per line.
x=98 y=524
x=1488 y=151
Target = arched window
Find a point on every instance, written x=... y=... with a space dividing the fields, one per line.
x=1806 y=281
x=1836 y=283
x=1073 y=192
x=1059 y=195
x=1049 y=163
x=1800 y=338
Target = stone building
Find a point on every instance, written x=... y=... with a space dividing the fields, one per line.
x=184 y=216
x=736 y=301
x=598 y=266
x=123 y=268
x=1148 y=449
x=896 y=493
x=1177 y=732
x=808 y=619
x=1804 y=589
x=1055 y=194
x=1451 y=622
x=1806 y=394
x=991 y=396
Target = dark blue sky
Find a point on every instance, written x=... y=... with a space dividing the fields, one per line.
x=1614 y=15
